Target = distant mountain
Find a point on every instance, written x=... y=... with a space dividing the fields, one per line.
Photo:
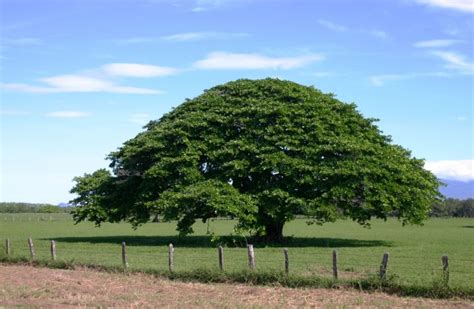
x=458 y=189
x=64 y=205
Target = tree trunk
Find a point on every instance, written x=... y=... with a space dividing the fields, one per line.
x=274 y=231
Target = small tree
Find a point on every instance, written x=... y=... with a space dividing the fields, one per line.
x=258 y=151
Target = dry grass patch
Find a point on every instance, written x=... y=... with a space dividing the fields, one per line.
x=30 y=286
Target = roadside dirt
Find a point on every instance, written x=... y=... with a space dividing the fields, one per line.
x=42 y=287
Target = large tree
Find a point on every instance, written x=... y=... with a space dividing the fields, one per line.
x=258 y=151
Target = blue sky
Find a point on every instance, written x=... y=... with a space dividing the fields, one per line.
x=78 y=78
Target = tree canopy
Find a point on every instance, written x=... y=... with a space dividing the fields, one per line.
x=258 y=151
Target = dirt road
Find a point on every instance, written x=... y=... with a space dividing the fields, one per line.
x=30 y=286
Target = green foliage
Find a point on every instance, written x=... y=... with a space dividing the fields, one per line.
x=453 y=208
x=7 y=207
x=50 y=209
x=259 y=151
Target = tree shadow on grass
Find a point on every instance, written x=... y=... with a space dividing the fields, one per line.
x=468 y=226
x=229 y=241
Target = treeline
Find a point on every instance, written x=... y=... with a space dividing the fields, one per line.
x=452 y=207
x=31 y=208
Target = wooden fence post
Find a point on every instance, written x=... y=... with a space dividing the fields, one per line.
x=8 y=247
x=251 y=256
x=32 y=248
x=124 y=255
x=53 y=250
x=383 y=266
x=170 y=257
x=287 y=261
x=334 y=264
x=444 y=259
x=220 y=252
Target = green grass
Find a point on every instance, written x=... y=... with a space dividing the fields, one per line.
x=415 y=251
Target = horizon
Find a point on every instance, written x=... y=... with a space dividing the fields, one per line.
x=80 y=78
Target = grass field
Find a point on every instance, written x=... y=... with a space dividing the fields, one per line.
x=415 y=251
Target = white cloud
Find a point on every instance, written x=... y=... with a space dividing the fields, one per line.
x=187 y=36
x=456 y=62
x=460 y=5
x=236 y=61
x=77 y=83
x=206 y=5
x=135 y=40
x=137 y=70
x=96 y=80
x=462 y=170
x=380 y=80
x=182 y=37
x=435 y=43
x=340 y=28
x=452 y=31
x=141 y=119
x=67 y=114
x=27 y=88
x=332 y=26
x=132 y=90
x=196 y=36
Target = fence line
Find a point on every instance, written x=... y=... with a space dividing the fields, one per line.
x=32 y=248
x=53 y=250
x=334 y=264
x=383 y=268
x=220 y=254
